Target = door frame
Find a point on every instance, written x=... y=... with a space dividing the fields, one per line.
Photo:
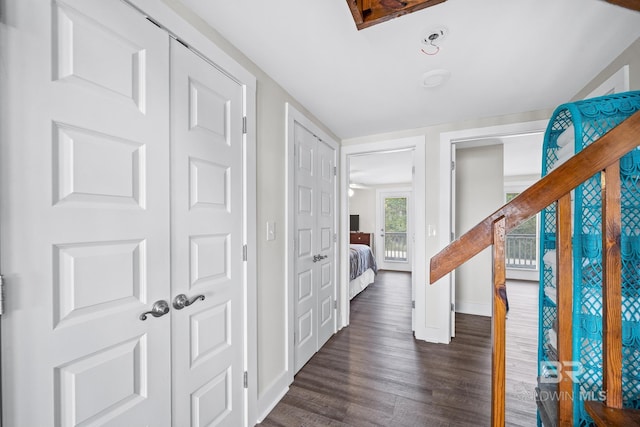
x=446 y=202
x=293 y=116
x=418 y=277
x=381 y=194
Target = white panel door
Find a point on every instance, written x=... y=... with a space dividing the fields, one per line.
x=325 y=226
x=315 y=272
x=85 y=214
x=206 y=241
x=305 y=292
x=394 y=224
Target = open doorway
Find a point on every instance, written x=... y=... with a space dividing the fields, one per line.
x=359 y=195
x=488 y=173
x=379 y=205
x=448 y=143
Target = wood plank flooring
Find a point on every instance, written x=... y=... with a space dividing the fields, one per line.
x=374 y=373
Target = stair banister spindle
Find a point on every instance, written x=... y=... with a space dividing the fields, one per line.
x=498 y=324
x=564 y=288
x=611 y=287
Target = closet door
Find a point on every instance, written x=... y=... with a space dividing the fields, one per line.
x=326 y=241
x=206 y=239
x=314 y=287
x=305 y=293
x=84 y=215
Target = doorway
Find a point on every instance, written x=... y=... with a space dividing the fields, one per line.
x=312 y=238
x=394 y=222
x=448 y=142
x=351 y=152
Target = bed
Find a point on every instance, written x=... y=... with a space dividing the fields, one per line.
x=363 y=268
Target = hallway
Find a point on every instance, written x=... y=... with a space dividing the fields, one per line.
x=374 y=372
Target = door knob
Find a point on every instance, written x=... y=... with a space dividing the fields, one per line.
x=159 y=308
x=181 y=301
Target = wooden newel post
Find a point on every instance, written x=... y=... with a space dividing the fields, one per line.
x=498 y=322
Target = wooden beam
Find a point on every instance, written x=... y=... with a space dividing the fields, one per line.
x=597 y=156
x=611 y=288
x=629 y=4
x=371 y=12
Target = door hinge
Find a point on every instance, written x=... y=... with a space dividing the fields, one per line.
x=1 y=295
x=453 y=307
x=335 y=171
x=453 y=165
x=244 y=125
x=335 y=304
x=246 y=379
x=413 y=304
x=244 y=252
x=335 y=237
x=453 y=236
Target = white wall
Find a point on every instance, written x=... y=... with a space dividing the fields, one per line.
x=479 y=192
x=363 y=203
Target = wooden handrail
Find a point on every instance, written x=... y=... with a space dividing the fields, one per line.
x=602 y=155
x=594 y=158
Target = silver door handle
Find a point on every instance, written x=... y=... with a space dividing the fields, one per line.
x=319 y=257
x=159 y=308
x=181 y=301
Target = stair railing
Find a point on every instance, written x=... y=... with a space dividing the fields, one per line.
x=602 y=156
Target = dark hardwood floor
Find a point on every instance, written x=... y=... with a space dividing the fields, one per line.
x=374 y=373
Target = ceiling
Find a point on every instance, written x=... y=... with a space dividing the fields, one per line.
x=371 y=170
x=500 y=56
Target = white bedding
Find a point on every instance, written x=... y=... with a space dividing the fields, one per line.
x=358 y=284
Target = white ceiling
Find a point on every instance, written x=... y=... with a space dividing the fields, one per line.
x=370 y=170
x=503 y=56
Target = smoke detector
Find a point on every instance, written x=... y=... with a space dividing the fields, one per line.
x=435 y=78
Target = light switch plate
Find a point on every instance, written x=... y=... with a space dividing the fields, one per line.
x=271 y=230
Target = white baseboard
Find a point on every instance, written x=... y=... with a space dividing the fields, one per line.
x=269 y=398
x=473 y=308
x=529 y=275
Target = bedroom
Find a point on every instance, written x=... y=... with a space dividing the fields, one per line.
x=272 y=373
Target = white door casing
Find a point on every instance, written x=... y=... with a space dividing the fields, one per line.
x=315 y=272
x=452 y=234
x=206 y=242
x=421 y=291
x=85 y=247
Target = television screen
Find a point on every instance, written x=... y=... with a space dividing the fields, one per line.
x=354 y=221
